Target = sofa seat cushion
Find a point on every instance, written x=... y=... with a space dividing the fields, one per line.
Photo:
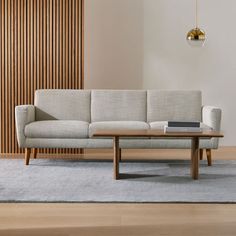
x=161 y=124
x=57 y=129
x=130 y=125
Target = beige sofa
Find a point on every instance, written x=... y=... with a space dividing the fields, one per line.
x=68 y=118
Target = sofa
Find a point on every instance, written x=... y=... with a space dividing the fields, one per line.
x=68 y=118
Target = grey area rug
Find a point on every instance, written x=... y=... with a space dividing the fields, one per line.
x=80 y=181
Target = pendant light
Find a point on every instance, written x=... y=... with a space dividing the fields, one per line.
x=196 y=37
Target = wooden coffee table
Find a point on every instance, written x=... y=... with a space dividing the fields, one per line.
x=117 y=134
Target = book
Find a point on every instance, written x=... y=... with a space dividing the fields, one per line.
x=168 y=129
x=183 y=124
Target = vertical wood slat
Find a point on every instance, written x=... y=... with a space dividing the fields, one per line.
x=40 y=48
x=12 y=87
x=18 y=59
x=2 y=46
x=1 y=71
x=8 y=63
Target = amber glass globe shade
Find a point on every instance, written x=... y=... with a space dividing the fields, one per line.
x=196 y=37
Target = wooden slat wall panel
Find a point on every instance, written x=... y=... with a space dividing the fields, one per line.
x=41 y=47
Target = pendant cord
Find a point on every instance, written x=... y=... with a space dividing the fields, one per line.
x=196 y=14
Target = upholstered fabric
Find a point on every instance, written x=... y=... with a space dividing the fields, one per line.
x=124 y=143
x=129 y=125
x=63 y=105
x=57 y=129
x=212 y=117
x=122 y=105
x=180 y=144
x=173 y=105
x=62 y=118
x=161 y=124
x=24 y=115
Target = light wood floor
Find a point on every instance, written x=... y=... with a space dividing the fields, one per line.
x=122 y=219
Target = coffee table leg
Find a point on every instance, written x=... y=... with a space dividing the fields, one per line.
x=116 y=157
x=195 y=158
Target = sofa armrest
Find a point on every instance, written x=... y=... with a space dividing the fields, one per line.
x=24 y=115
x=211 y=116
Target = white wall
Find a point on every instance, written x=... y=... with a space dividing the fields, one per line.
x=141 y=44
x=113 y=44
x=169 y=62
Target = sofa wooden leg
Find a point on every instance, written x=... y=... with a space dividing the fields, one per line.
x=209 y=160
x=116 y=157
x=27 y=156
x=35 y=151
x=201 y=154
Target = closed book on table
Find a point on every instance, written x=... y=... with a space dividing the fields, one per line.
x=184 y=124
x=168 y=129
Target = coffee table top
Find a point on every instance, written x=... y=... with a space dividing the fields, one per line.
x=155 y=133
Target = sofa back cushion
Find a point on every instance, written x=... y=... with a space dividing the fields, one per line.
x=63 y=105
x=118 y=105
x=174 y=105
